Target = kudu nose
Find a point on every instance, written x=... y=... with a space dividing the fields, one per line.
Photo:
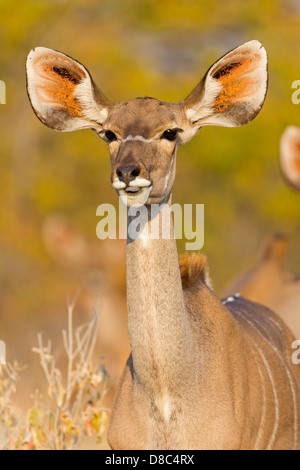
x=128 y=173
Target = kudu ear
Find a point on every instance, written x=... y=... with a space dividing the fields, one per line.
x=289 y=157
x=62 y=92
x=232 y=92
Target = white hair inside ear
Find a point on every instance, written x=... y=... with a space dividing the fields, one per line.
x=62 y=92
x=231 y=93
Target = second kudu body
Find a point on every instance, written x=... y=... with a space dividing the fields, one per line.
x=202 y=374
x=270 y=282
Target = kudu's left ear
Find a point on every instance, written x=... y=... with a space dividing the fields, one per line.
x=232 y=92
x=62 y=92
x=290 y=156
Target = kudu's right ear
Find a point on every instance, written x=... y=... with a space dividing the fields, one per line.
x=289 y=157
x=62 y=92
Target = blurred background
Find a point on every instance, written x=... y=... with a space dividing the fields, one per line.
x=52 y=183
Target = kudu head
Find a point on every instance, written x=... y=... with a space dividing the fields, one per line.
x=143 y=134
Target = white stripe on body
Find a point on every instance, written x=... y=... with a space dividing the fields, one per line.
x=292 y=385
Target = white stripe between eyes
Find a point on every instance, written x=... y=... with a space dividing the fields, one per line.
x=137 y=137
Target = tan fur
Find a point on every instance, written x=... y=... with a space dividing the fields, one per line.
x=276 y=248
x=202 y=374
x=193 y=270
x=239 y=352
x=272 y=284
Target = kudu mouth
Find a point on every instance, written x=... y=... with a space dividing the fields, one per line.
x=134 y=194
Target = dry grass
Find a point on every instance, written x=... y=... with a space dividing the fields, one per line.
x=74 y=408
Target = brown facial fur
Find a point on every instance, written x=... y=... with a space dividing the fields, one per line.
x=147 y=118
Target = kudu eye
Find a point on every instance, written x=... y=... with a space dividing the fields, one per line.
x=110 y=136
x=169 y=134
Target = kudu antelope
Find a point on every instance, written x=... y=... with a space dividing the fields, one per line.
x=270 y=282
x=202 y=374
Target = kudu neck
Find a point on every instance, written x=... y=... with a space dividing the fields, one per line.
x=157 y=322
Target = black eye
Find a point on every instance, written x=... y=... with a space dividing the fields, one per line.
x=110 y=136
x=169 y=134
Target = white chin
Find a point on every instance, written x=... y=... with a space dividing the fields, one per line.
x=135 y=199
